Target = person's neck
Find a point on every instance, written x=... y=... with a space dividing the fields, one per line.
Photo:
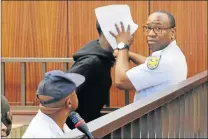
x=59 y=118
x=165 y=46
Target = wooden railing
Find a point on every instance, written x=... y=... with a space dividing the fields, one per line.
x=23 y=62
x=43 y=61
x=178 y=112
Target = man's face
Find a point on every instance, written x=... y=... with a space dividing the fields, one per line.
x=157 y=31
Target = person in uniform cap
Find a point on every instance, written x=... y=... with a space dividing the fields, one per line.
x=56 y=93
x=6 y=117
x=165 y=67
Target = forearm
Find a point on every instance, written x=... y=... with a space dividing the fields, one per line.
x=137 y=58
x=122 y=65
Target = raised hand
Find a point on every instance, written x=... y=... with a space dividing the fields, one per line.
x=123 y=36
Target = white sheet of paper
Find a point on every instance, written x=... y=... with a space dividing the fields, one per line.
x=107 y=16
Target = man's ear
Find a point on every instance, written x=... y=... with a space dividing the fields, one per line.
x=69 y=103
x=173 y=33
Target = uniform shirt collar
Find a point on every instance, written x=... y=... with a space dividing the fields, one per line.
x=53 y=126
x=157 y=53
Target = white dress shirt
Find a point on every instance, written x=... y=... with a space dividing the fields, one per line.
x=172 y=69
x=42 y=126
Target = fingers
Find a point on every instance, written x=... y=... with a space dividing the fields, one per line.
x=128 y=29
x=117 y=28
x=114 y=35
x=122 y=27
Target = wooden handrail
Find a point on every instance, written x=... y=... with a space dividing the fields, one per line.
x=35 y=59
x=114 y=120
x=44 y=61
x=32 y=110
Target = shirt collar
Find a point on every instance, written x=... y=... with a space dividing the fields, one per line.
x=54 y=127
x=173 y=43
x=156 y=53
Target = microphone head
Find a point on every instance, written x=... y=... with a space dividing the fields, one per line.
x=80 y=124
x=78 y=121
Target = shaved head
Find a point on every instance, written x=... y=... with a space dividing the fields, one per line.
x=170 y=17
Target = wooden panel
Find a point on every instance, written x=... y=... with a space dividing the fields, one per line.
x=196 y=109
x=191 y=24
x=201 y=112
x=32 y=29
x=82 y=29
x=158 y=122
x=126 y=131
x=187 y=116
x=204 y=109
x=151 y=125
x=165 y=121
x=12 y=82
x=116 y=133
x=182 y=116
x=143 y=125
x=135 y=132
x=171 y=110
x=177 y=117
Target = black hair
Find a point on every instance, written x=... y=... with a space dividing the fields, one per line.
x=98 y=28
x=170 y=17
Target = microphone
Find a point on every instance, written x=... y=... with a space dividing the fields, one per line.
x=80 y=124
